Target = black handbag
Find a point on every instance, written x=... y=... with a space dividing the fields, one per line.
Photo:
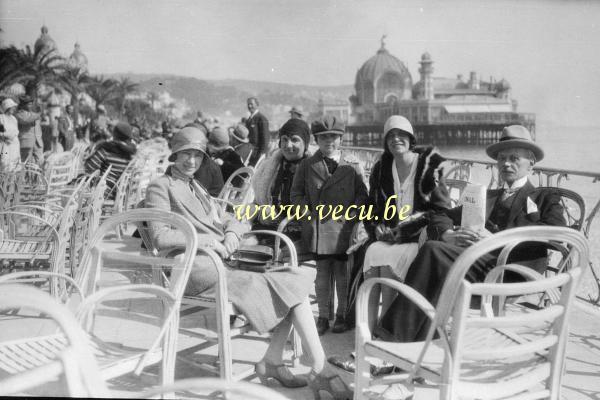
x=409 y=230
x=255 y=257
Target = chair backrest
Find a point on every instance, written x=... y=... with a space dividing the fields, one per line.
x=451 y=305
x=59 y=169
x=75 y=363
x=573 y=208
x=100 y=253
x=238 y=188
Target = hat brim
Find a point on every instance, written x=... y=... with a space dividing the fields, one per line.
x=493 y=149
x=192 y=146
x=215 y=147
x=239 y=139
x=325 y=132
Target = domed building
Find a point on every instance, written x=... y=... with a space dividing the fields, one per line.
x=44 y=43
x=440 y=109
x=383 y=78
x=78 y=60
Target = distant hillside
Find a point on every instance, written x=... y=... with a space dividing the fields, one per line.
x=228 y=97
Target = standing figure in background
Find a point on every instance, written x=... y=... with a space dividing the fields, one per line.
x=238 y=137
x=258 y=128
x=222 y=153
x=66 y=129
x=30 y=132
x=297 y=112
x=329 y=180
x=10 y=150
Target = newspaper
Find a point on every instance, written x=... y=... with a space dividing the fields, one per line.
x=473 y=201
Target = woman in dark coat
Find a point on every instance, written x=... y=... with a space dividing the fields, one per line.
x=222 y=153
x=406 y=177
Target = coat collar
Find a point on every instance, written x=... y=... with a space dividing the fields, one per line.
x=518 y=203
x=186 y=198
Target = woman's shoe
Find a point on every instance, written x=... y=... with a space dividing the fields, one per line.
x=322 y=325
x=280 y=373
x=318 y=383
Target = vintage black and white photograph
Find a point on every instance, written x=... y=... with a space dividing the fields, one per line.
x=311 y=199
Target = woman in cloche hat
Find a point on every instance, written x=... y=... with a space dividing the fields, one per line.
x=271 y=301
x=10 y=152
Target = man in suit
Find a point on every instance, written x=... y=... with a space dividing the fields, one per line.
x=516 y=204
x=30 y=132
x=66 y=129
x=258 y=128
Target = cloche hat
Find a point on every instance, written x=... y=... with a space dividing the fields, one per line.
x=401 y=123
x=240 y=133
x=8 y=103
x=188 y=138
x=218 y=139
x=515 y=136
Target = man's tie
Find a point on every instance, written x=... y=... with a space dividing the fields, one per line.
x=508 y=192
x=331 y=164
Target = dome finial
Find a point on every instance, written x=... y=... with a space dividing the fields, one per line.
x=383 y=41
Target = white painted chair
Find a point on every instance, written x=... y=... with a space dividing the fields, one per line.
x=68 y=356
x=516 y=355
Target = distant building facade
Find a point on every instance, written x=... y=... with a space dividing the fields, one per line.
x=439 y=108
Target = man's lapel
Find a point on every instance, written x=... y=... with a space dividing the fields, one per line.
x=520 y=202
x=492 y=197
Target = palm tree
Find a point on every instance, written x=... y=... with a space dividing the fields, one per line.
x=75 y=81
x=124 y=87
x=12 y=67
x=102 y=90
x=40 y=67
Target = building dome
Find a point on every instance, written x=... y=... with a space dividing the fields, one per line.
x=78 y=60
x=44 y=43
x=382 y=76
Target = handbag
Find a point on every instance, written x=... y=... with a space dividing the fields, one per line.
x=409 y=230
x=252 y=257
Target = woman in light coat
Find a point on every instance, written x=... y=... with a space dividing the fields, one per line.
x=10 y=150
x=271 y=301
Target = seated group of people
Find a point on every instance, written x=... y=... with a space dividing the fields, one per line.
x=276 y=301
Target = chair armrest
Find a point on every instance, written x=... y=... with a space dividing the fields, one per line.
x=362 y=302
x=15 y=277
x=278 y=236
x=497 y=273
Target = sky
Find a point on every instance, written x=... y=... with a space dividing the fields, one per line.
x=548 y=50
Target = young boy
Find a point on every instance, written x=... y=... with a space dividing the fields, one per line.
x=324 y=182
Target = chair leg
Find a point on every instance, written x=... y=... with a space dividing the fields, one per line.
x=225 y=357
x=297 y=348
x=362 y=375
